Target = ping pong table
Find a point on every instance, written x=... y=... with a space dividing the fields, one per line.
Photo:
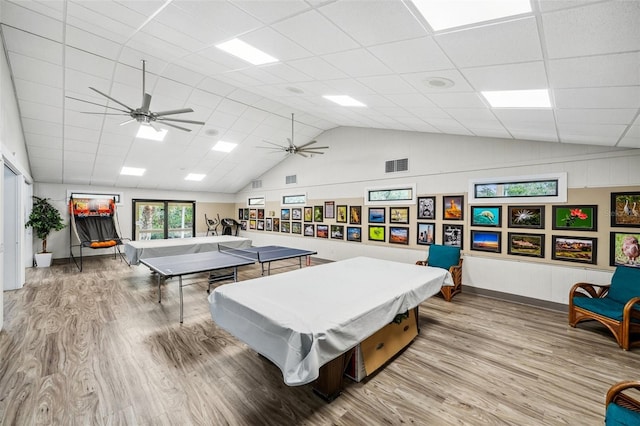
x=222 y=264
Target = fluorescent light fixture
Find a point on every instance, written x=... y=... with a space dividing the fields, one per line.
x=246 y=52
x=518 y=98
x=444 y=14
x=132 y=171
x=223 y=146
x=147 y=132
x=195 y=176
x=344 y=100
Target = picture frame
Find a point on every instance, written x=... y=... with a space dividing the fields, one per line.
x=341 y=214
x=337 y=232
x=453 y=235
x=296 y=213
x=318 y=214
x=285 y=227
x=296 y=227
x=308 y=214
x=377 y=215
x=399 y=235
x=524 y=244
x=574 y=249
x=490 y=216
x=329 y=209
x=453 y=207
x=489 y=241
x=354 y=233
x=285 y=214
x=260 y=225
x=355 y=215
x=276 y=224
x=426 y=233
x=322 y=231
x=253 y=214
x=268 y=224
x=243 y=225
x=246 y=214
x=531 y=217
x=376 y=233
x=581 y=217
x=252 y=223
x=427 y=208
x=240 y=214
x=619 y=249
x=625 y=209
x=309 y=230
x=398 y=215
x=260 y=213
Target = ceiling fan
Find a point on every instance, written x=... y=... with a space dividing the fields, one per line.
x=302 y=150
x=143 y=114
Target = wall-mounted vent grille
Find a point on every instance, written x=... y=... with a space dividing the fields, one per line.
x=255 y=184
x=291 y=179
x=392 y=166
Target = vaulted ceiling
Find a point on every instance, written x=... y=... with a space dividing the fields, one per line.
x=381 y=52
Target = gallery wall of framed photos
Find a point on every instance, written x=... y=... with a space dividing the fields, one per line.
x=596 y=227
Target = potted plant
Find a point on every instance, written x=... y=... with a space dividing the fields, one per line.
x=44 y=219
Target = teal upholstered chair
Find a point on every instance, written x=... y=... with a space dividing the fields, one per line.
x=616 y=305
x=446 y=257
x=621 y=408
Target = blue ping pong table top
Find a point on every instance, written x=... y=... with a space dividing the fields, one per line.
x=269 y=253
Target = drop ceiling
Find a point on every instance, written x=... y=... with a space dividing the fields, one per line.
x=382 y=53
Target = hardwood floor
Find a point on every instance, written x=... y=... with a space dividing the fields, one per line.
x=95 y=347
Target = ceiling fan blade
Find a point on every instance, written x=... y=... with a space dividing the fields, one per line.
x=173 y=111
x=271 y=148
x=154 y=127
x=102 y=113
x=314 y=147
x=300 y=153
x=146 y=101
x=177 y=127
x=128 y=121
x=312 y=152
x=114 y=100
x=180 y=121
x=274 y=144
x=306 y=144
x=94 y=103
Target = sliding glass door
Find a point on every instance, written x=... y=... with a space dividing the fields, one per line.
x=160 y=219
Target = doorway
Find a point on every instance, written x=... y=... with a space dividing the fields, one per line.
x=11 y=232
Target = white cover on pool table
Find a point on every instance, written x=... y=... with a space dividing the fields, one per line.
x=304 y=318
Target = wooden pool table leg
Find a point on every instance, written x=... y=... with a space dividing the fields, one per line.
x=330 y=382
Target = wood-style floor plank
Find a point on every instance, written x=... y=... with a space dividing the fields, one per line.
x=96 y=348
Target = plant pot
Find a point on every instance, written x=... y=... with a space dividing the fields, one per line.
x=43 y=260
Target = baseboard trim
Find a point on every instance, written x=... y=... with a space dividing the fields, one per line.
x=553 y=306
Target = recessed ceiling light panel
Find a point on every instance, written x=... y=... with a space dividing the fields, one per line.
x=445 y=14
x=195 y=177
x=147 y=132
x=132 y=171
x=344 y=100
x=223 y=146
x=518 y=98
x=246 y=52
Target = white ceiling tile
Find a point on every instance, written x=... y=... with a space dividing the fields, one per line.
x=82 y=146
x=357 y=63
x=457 y=100
x=596 y=116
x=29 y=68
x=347 y=86
x=110 y=11
x=166 y=88
x=363 y=20
x=26 y=44
x=273 y=10
x=629 y=142
x=532 y=116
x=411 y=100
x=52 y=154
x=88 y=63
x=549 y=5
x=87 y=42
x=275 y=44
x=149 y=44
x=173 y=37
x=472 y=114
x=318 y=68
x=95 y=22
x=488 y=132
x=534 y=135
x=315 y=33
x=182 y=75
x=427 y=113
x=34 y=92
x=15 y=15
x=592 y=30
x=387 y=84
x=80 y=133
x=502 y=43
x=218 y=14
x=523 y=76
x=596 y=71
x=424 y=81
x=54 y=9
x=35 y=140
x=39 y=111
x=420 y=54
x=611 y=97
x=41 y=127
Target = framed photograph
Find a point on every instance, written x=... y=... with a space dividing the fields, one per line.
x=486 y=216
x=355 y=215
x=253 y=214
x=260 y=226
x=308 y=214
x=318 y=215
x=426 y=234
x=427 y=208
x=285 y=214
x=575 y=218
x=341 y=214
x=243 y=225
x=624 y=249
x=399 y=235
x=268 y=224
x=625 y=209
x=276 y=224
x=309 y=230
x=574 y=249
x=296 y=227
x=252 y=224
x=453 y=207
x=376 y=233
x=452 y=235
x=322 y=231
x=354 y=233
x=377 y=215
x=296 y=213
x=398 y=215
x=526 y=217
x=330 y=209
x=337 y=232
x=285 y=227
x=260 y=213
x=490 y=241
x=240 y=214
x=525 y=244
x=246 y=214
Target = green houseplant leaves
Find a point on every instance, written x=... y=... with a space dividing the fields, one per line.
x=44 y=219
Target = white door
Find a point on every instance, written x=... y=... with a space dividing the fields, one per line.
x=11 y=234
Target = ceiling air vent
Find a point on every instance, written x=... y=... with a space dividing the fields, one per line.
x=255 y=184
x=291 y=179
x=401 y=165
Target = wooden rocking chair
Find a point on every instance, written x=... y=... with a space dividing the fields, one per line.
x=446 y=257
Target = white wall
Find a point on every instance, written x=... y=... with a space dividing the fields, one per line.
x=444 y=164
